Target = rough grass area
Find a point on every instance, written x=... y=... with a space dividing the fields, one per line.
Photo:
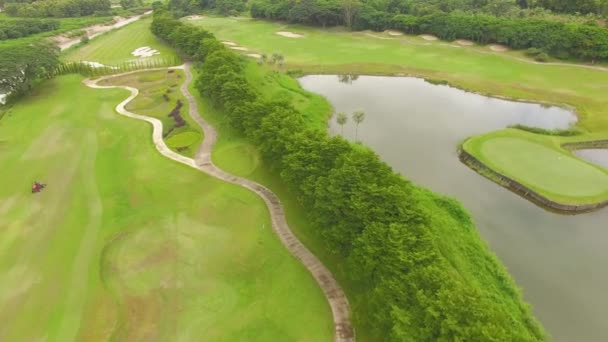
x=541 y=164
x=466 y=252
x=158 y=95
x=124 y=244
x=115 y=47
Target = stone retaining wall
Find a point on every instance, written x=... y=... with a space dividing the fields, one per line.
x=526 y=192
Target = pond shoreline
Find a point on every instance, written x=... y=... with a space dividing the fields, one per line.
x=523 y=191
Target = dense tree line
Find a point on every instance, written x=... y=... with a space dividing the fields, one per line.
x=22 y=65
x=558 y=39
x=385 y=231
x=57 y=8
x=224 y=7
x=13 y=29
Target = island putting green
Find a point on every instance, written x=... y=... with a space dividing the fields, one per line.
x=550 y=171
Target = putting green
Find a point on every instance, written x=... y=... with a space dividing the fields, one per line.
x=556 y=174
x=183 y=139
x=125 y=244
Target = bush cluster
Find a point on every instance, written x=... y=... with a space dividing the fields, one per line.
x=57 y=8
x=385 y=231
x=13 y=29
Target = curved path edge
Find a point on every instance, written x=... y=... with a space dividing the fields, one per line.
x=340 y=308
x=524 y=191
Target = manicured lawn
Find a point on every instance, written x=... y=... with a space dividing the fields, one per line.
x=158 y=95
x=550 y=170
x=115 y=47
x=126 y=244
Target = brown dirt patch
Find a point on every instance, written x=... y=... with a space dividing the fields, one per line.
x=498 y=48
x=229 y=43
x=239 y=48
x=464 y=42
x=254 y=55
x=289 y=34
x=394 y=33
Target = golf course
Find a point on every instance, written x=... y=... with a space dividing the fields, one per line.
x=201 y=187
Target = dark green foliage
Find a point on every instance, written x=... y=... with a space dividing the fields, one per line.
x=13 y=29
x=385 y=232
x=57 y=8
x=225 y=7
x=558 y=39
x=557 y=132
x=22 y=65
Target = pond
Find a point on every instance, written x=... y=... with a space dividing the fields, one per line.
x=559 y=261
x=594 y=155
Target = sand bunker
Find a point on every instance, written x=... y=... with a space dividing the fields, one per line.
x=240 y=48
x=97 y=65
x=229 y=43
x=145 y=51
x=428 y=37
x=193 y=17
x=254 y=55
x=394 y=33
x=464 y=42
x=289 y=34
x=498 y=48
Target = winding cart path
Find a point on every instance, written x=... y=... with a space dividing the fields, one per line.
x=333 y=292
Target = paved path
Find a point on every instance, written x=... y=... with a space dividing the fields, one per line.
x=333 y=292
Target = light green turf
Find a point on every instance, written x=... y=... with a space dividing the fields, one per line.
x=183 y=139
x=115 y=47
x=125 y=243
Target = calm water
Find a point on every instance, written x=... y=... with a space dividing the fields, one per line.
x=559 y=261
x=594 y=155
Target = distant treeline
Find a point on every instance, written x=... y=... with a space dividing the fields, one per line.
x=13 y=29
x=224 y=7
x=413 y=260
x=24 y=64
x=57 y=8
x=558 y=39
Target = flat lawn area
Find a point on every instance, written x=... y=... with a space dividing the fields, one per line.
x=115 y=47
x=553 y=172
x=338 y=51
x=125 y=244
x=158 y=95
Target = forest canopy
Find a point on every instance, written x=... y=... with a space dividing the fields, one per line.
x=13 y=29
x=56 y=8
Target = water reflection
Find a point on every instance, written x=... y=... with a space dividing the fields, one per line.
x=594 y=155
x=559 y=261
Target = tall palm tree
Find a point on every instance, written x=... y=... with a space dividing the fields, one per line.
x=358 y=117
x=341 y=119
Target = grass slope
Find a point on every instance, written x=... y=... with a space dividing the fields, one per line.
x=472 y=68
x=126 y=244
x=115 y=47
x=466 y=252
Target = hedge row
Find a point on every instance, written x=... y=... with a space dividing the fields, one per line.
x=13 y=29
x=384 y=230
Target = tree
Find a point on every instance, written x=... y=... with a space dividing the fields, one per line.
x=349 y=10
x=341 y=119
x=358 y=117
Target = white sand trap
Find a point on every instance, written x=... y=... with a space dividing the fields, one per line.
x=240 y=48
x=289 y=34
x=394 y=33
x=144 y=51
x=194 y=17
x=229 y=43
x=498 y=48
x=97 y=65
x=254 y=55
x=428 y=37
x=464 y=42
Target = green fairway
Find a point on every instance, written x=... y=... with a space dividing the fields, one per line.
x=125 y=244
x=552 y=172
x=116 y=46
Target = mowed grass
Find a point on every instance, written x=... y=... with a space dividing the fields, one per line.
x=116 y=46
x=159 y=92
x=553 y=172
x=341 y=52
x=125 y=244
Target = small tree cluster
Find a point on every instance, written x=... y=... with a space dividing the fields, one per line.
x=175 y=114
